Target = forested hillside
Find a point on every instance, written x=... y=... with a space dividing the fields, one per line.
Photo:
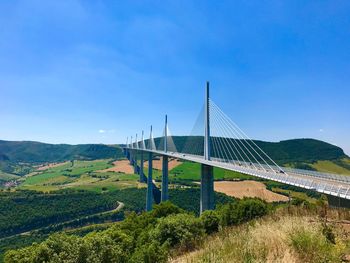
x=296 y=150
x=17 y=157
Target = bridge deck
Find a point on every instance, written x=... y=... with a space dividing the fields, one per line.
x=335 y=185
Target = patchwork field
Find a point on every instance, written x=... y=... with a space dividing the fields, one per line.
x=121 y=166
x=87 y=175
x=331 y=167
x=248 y=189
x=157 y=164
x=50 y=165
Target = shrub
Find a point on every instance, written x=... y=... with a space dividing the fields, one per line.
x=151 y=252
x=250 y=208
x=242 y=211
x=313 y=247
x=180 y=229
x=166 y=208
x=210 y=220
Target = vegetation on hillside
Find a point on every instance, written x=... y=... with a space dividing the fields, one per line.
x=39 y=214
x=17 y=157
x=293 y=234
x=148 y=237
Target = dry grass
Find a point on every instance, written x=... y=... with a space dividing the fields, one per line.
x=50 y=165
x=294 y=236
x=157 y=164
x=122 y=166
x=248 y=189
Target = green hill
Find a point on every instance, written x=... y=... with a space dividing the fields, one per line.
x=298 y=153
x=17 y=157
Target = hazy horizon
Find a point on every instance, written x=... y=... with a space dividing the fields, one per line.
x=96 y=72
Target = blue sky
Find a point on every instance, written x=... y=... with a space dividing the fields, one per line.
x=97 y=71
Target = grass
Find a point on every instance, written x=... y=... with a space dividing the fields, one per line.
x=7 y=177
x=191 y=172
x=82 y=175
x=294 y=194
x=296 y=236
x=330 y=167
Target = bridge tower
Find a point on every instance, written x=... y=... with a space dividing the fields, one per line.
x=149 y=197
x=165 y=168
x=131 y=153
x=141 y=159
x=135 y=155
x=207 y=174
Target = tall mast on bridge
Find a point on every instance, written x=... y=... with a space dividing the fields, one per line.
x=165 y=168
x=207 y=172
x=166 y=134
x=207 y=125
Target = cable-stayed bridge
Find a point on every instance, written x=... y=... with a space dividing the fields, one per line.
x=216 y=141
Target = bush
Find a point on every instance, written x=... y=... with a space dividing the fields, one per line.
x=250 y=208
x=181 y=230
x=210 y=220
x=151 y=252
x=313 y=247
x=166 y=208
x=241 y=211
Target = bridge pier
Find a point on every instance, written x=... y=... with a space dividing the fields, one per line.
x=135 y=162
x=131 y=157
x=141 y=167
x=207 y=188
x=127 y=154
x=338 y=202
x=165 y=179
x=149 y=196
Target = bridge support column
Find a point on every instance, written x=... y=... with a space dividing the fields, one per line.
x=149 y=197
x=338 y=202
x=207 y=188
x=141 y=168
x=135 y=162
x=165 y=179
x=130 y=157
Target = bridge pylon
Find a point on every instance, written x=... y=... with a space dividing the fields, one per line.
x=135 y=155
x=207 y=173
x=149 y=196
x=141 y=160
x=165 y=165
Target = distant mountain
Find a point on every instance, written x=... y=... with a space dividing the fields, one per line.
x=16 y=157
x=297 y=153
x=295 y=150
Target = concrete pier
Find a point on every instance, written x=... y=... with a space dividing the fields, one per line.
x=207 y=188
x=141 y=168
x=338 y=202
x=165 y=179
x=149 y=196
x=135 y=163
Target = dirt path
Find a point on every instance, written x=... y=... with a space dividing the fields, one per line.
x=248 y=189
x=119 y=207
x=121 y=166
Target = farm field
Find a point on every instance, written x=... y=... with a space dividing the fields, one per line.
x=7 y=177
x=331 y=167
x=248 y=189
x=82 y=175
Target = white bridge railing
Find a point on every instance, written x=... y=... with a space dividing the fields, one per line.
x=331 y=184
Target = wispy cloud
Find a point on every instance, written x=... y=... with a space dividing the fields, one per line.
x=106 y=131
